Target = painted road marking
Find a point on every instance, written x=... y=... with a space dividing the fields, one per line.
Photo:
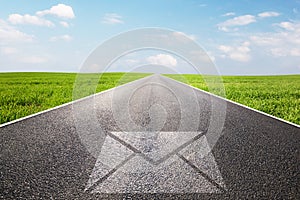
x=155 y=162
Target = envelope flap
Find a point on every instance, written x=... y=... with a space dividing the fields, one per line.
x=156 y=145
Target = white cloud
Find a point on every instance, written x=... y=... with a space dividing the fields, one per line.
x=211 y=56
x=225 y=49
x=228 y=14
x=10 y=34
x=295 y=52
x=281 y=52
x=268 y=14
x=265 y=39
x=29 y=19
x=181 y=35
x=60 y=10
x=64 y=24
x=33 y=60
x=8 y=50
x=66 y=38
x=112 y=18
x=238 y=53
x=285 y=42
x=287 y=25
x=162 y=59
x=236 y=21
x=242 y=20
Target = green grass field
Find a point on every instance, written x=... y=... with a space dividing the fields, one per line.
x=275 y=95
x=22 y=94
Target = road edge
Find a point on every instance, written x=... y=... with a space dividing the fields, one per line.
x=68 y=103
x=236 y=103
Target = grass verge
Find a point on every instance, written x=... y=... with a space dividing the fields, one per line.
x=276 y=95
x=25 y=93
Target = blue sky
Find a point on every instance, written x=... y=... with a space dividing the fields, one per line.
x=241 y=37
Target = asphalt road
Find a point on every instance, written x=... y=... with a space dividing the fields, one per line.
x=151 y=138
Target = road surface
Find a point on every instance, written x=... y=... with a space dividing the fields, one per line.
x=153 y=137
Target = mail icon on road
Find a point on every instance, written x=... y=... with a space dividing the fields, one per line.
x=155 y=162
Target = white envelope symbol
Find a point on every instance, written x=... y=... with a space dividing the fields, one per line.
x=155 y=162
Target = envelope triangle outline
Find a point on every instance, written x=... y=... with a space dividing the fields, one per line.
x=115 y=159
x=156 y=146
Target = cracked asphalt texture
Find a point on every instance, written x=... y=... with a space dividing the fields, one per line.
x=44 y=157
